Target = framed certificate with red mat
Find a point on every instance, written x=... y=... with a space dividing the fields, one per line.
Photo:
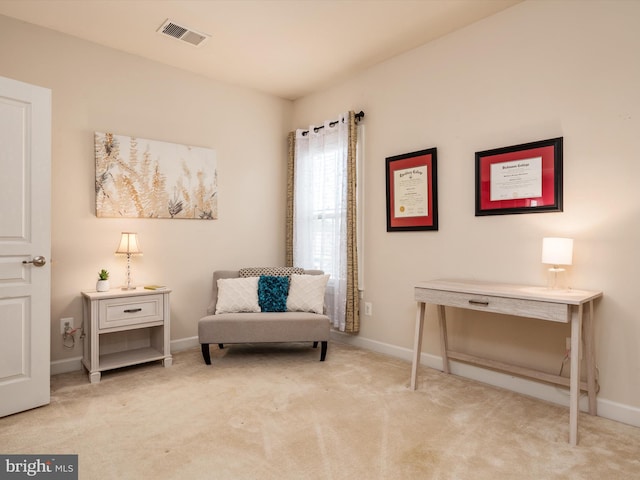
x=524 y=178
x=412 y=193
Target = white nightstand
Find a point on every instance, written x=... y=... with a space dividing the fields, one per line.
x=125 y=327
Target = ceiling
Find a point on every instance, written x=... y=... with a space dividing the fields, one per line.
x=287 y=48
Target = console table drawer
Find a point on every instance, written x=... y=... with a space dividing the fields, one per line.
x=555 y=312
x=121 y=312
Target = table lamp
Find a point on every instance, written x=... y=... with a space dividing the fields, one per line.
x=556 y=252
x=129 y=246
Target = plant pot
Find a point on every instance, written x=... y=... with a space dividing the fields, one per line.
x=102 y=286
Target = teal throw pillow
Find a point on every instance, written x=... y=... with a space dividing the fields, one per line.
x=272 y=293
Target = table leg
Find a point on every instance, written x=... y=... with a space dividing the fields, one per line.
x=590 y=357
x=417 y=344
x=444 y=346
x=574 y=380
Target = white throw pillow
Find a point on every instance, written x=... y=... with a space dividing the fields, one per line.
x=306 y=293
x=237 y=295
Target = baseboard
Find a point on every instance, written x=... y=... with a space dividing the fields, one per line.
x=183 y=344
x=66 y=365
x=558 y=395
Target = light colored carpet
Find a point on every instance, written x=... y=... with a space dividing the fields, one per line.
x=276 y=412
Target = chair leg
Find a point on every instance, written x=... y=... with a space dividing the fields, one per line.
x=315 y=344
x=323 y=351
x=205 y=353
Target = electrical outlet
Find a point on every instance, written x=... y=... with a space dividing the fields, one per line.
x=66 y=323
x=368 y=308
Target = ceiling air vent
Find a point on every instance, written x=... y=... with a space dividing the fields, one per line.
x=172 y=29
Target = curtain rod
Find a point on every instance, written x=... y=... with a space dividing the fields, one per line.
x=358 y=116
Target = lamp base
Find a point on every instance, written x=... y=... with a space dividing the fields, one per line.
x=128 y=286
x=557 y=279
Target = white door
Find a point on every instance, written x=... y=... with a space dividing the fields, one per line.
x=25 y=243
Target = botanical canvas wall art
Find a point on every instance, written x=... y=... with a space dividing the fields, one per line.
x=141 y=178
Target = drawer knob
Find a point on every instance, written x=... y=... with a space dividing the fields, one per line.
x=133 y=310
x=479 y=302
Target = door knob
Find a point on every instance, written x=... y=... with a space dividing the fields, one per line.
x=38 y=261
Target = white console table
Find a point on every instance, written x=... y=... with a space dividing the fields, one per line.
x=569 y=306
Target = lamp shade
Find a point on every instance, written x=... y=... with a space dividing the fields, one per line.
x=129 y=244
x=557 y=251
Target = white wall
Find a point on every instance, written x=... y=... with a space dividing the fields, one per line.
x=535 y=71
x=99 y=89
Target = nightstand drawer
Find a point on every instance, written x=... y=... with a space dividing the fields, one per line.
x=122 y=312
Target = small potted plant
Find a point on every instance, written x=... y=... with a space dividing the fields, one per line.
x=103 y=281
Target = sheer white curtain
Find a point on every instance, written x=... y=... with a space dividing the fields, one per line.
x=320 y=208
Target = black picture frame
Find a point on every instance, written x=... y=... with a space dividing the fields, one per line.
x=524 y=178
x=412 y=179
